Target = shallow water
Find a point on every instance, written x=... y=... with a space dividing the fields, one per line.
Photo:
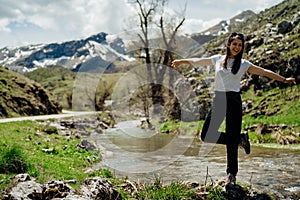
x=143 y=155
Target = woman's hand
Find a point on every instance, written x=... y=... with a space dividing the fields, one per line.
x=176 y=63
x=289 y=81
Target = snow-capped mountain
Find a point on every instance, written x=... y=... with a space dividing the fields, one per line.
x=93 y=53
x=225 y=25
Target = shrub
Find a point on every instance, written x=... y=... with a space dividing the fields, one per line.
x=50 y=129
x=12 y=160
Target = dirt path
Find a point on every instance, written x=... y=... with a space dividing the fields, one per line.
x=65 y=114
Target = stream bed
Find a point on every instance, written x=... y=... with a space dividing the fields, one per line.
x=144 y=155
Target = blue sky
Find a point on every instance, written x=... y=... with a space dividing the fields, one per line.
x=44 y=21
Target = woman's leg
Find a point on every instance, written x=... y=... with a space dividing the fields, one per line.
x=233 y=130
x=213 y=121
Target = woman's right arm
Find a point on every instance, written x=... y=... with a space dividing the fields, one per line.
x=192 y=61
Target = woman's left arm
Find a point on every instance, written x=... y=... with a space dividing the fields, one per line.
x=253 y=69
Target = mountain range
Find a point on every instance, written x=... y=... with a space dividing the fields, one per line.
x=95 y=53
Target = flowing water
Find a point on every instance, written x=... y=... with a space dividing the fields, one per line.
x=143 y=155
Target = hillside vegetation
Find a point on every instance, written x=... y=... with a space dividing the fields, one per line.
x=272 y=42
x=93 y=88
x=58 y=80
x=271 y=108
x=21 y=96
x=273 y=117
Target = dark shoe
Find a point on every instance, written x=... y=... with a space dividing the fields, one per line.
x=244 y=142
x=230 y=179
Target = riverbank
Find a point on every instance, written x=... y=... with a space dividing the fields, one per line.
x=110 y=188
x=59 y=154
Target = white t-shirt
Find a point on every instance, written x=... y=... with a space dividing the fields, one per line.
x=225 y=80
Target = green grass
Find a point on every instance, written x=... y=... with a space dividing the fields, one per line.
x=156 y=191
x=28 y=141
x=276 y=106
x=282 y=106
x=186 y=128
x=216 y=194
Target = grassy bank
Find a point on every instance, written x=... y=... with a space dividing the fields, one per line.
x=46 y=154
x=276 y=107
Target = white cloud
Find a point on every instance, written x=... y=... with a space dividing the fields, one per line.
x=198 y=25
x=3 y=25
x=104 y=16
x=61 y=19
x=36 y=21
x=265 y=4
x=78 y=15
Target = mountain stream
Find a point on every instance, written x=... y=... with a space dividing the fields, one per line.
x=143 y=155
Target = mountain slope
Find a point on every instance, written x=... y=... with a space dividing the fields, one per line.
x=221 y=28
x=272 y=42
x=21 y=96
x=226 y=26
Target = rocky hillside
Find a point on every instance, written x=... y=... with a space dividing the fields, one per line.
x=272 y=42
x=21 y=96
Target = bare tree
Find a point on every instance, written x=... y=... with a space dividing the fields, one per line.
x=145 y=13
x=156 y=59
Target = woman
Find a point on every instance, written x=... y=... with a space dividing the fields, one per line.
x=227 y=103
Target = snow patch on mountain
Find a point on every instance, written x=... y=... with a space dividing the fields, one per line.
x=70 y=54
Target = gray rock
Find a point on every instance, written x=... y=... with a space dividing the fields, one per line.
x=93 y=189
x=98 y=188
x=284 y=27
x=21 y=178
x=25 y=190
x=57 y=189
x=84 y=144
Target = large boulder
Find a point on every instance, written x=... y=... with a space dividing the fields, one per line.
x=98 y=188
x=284 y=27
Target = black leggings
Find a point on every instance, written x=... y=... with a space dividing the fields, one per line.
x=225 y=105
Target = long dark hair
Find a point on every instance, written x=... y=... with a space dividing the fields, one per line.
x=238 y=58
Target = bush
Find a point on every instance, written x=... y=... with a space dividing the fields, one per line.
x=12 y=161
x=50 y=129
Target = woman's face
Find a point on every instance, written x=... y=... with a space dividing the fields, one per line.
x=235 y=47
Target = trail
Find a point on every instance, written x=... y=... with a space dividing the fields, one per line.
x=65 y=114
